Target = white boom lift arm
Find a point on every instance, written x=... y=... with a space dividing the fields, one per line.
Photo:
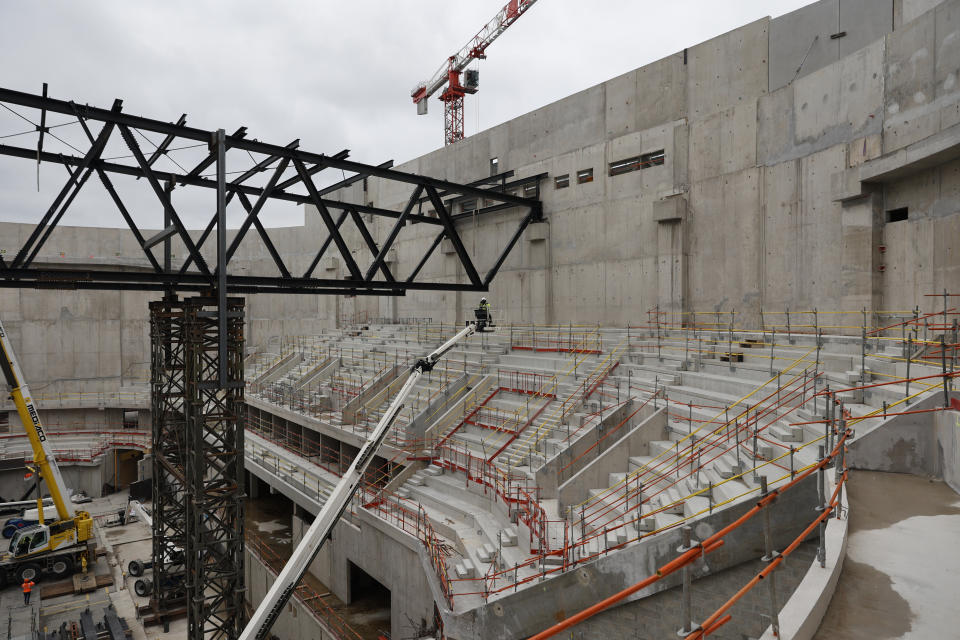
x=273 y=603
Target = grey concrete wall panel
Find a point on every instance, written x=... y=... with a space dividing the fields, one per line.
x=800 y=33
x=864 y=21
x=948 y=447
x=728 y=70
x=913 y=9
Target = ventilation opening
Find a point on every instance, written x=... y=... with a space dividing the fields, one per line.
x=898 y=215
x=4 y=422
x=562 y=182
x=531 y=190
x=584 y=176
x=370 y=598
x=468 y=206
x=494 y=166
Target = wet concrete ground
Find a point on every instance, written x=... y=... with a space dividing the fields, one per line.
x=901 y=577
x=269 y=518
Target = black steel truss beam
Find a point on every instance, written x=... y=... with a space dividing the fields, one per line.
x=253 y=146
x=112 y=167
x=195 y=274
x=453 y=236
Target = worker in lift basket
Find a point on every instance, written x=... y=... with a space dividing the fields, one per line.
x=27 y=587
x=484 y=308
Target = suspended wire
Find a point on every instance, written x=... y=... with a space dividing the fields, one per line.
x=53 y=126
x=130 y=155
x=156 y=146
x=52 y=135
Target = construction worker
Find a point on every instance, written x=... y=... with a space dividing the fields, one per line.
x=483 y=313
x=27 y=587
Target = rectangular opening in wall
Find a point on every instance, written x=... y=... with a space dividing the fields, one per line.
x=468 y=205
x=584 y=176
x=562 y=182
x=898 y=215
x=636 y=163
x=4 y=422
x=653 y=159
x=494 y=166
x=531 y=190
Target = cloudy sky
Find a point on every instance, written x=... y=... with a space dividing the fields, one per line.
x=336 y=75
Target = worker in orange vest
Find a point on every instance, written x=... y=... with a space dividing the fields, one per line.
x=27 y=586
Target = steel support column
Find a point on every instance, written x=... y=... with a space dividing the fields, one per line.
x=215 y=469
x=168 y=406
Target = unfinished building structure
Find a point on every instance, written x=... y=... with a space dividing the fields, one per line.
x=726 y=234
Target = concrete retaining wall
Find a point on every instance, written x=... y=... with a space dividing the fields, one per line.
x=947 y=425
x=923 y=444
x=533 y=609
x=596 y=472
x=296 y=621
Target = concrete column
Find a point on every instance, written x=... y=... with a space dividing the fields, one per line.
x=860 y=276
x=671 y=256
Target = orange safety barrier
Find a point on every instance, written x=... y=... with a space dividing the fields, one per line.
x=702 y=548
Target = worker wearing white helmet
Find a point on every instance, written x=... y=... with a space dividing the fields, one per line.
x=484 y=309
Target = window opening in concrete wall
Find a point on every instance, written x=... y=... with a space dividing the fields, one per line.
x=898 y=215
x=4 y=422
x=584 y=176
x=653 y=159
x=494 y=166
x=131 y=419
x=562 y=182
x=468 y=205
x=637 y=162
x=530 y=191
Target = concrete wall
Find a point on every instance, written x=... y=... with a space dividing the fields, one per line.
x=773 y=193
x=947 y=424
x=914 y=444
x=296 y=621
x=527 y=612
x=388 y=555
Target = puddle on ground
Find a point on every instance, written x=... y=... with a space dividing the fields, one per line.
x=865 y=606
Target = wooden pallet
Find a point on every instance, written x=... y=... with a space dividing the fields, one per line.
x=736 y=356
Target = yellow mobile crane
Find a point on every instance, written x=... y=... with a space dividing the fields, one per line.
x=56 y=548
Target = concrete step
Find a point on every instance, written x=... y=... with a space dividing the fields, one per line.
x=466 y=569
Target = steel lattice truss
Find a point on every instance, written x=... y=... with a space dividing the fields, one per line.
x=279 y=173
x=170 y=491
x=215 y=472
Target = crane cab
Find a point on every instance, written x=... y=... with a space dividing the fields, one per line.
x=30 y=540
x=40 y=538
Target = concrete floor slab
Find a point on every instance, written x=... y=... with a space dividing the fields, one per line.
x=899 y=579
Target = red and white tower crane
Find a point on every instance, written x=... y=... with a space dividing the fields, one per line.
x=449 y=72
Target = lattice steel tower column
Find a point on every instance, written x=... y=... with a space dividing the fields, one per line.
x=168 y=406
x=215 y=470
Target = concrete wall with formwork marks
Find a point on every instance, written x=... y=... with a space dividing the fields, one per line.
x=786 y=144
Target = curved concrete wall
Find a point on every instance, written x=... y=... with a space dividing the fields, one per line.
x=773 y=193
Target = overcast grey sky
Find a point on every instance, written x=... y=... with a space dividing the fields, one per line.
x=333 y=74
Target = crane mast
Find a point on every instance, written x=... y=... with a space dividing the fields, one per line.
x=449 y=72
